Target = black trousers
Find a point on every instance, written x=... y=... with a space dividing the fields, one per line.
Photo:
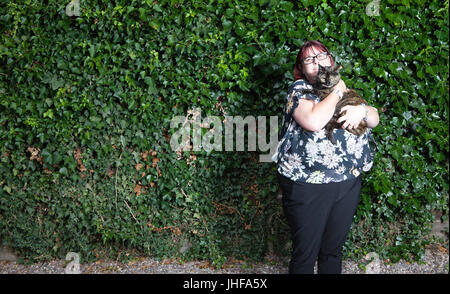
x=319 y=217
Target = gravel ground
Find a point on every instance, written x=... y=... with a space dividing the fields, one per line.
x=435 y=262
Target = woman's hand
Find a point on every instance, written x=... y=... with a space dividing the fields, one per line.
x=341 y=86
x=352 y=117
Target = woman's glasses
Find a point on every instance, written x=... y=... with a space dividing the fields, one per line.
x=320 y=56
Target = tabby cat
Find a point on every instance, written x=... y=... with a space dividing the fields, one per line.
x=327 y=78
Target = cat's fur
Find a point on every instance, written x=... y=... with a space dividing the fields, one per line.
x=327 y=79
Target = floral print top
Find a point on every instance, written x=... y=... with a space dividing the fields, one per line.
x=306 y=156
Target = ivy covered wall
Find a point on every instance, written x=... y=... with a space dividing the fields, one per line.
x=86 y=101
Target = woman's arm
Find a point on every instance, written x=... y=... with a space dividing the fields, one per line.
x=354 y=115
x=314 y=117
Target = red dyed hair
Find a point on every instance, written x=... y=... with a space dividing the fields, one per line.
x=298 y=67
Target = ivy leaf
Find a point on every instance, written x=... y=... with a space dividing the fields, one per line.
x=151 y=85
x=64 y=171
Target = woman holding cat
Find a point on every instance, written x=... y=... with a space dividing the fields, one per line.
x=320 y=181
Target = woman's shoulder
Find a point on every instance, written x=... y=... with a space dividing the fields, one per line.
x=299 y=85
x=302 y=89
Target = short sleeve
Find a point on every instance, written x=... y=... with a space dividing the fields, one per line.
x=299 y=90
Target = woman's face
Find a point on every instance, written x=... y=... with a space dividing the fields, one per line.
x=310 y=70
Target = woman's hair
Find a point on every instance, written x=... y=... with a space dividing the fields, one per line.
x=298 y=67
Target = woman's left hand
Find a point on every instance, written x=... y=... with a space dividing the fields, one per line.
x=352 y=117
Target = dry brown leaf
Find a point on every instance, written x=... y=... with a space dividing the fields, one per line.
x=155 y=161
x=77 y=155
x=81 y=167
x=137 y=189
x=443 y=249
x=35 y=154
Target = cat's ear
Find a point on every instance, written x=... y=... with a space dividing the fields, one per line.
x=339 y=67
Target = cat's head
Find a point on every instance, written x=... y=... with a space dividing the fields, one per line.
x=328 y=76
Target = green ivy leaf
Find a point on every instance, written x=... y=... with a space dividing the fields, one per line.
x=64 y=171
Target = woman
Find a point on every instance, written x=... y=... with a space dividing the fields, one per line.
x=320 y=181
